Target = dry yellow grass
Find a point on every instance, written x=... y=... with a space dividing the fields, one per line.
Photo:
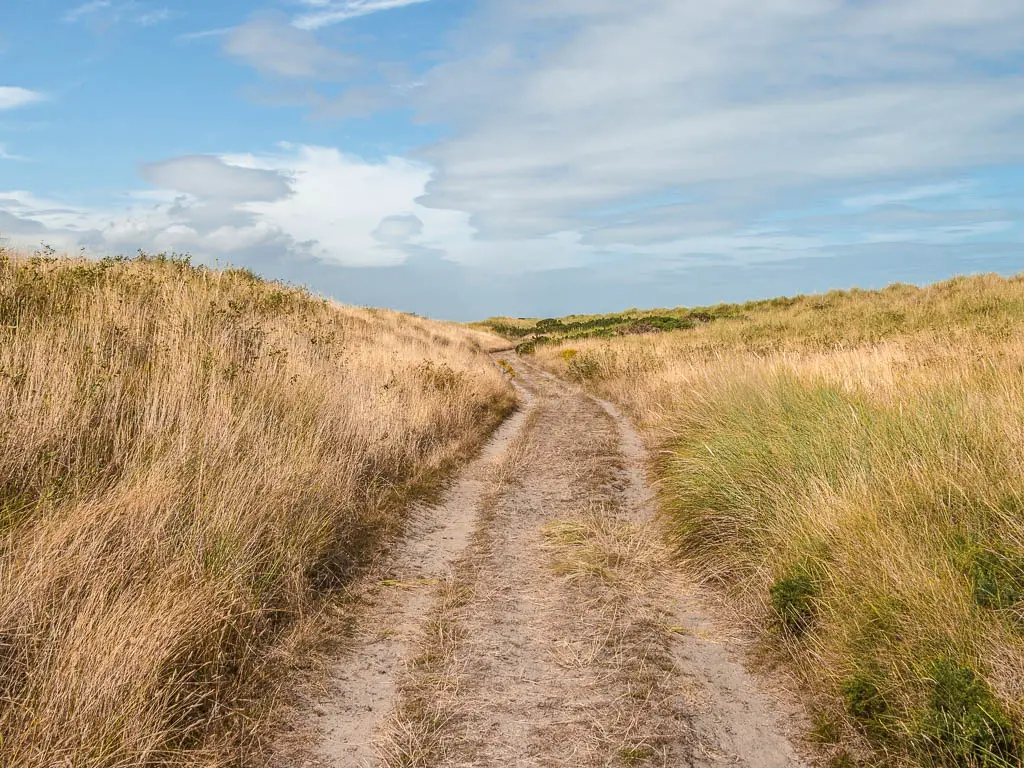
x=189 y=460
x=850 y=469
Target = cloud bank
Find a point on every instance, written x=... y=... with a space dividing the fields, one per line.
x=302 y=202
x=732 y=109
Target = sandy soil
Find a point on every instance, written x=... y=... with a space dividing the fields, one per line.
x=535 y=619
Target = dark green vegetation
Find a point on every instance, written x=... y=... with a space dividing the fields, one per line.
x=964 y=724
x=996 y=574
x=533 y=333
x=792 y=599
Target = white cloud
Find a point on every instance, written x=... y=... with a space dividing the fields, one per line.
x=152 y=18
x=560 y=110
x=273 y=46
x=303 y=202
x=202 y=34
x=12 y=97
x=324 y=13
x=336 y=208
x=398 y=230
x=339 y=202
x=5 y=155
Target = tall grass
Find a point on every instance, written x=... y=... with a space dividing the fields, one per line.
x=849 y=468
x=189 y=460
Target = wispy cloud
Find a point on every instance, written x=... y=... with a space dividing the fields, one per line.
x=108 y=12
x=322 y=13
x=204 y=33
x=86 y=9
x=907 y=195
x=596 y=106
x=327 y=12
x=152 y=18
x=5 y=155
x=12 y=97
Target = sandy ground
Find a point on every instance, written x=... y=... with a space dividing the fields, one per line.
x=534 y=618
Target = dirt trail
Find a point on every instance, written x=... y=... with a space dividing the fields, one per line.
x=536 y=620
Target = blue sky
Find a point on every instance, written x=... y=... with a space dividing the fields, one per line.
x=463 y=158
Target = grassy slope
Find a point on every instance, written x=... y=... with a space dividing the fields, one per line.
x=188 y=461
x=850 y=469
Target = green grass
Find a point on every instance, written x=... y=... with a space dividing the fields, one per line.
x=768 y=474
x=849 y=470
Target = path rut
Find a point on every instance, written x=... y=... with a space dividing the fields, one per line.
x=536 y=619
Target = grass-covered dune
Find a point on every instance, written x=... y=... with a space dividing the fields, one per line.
x=189 y=460
x=530 y=333
x=849 y=468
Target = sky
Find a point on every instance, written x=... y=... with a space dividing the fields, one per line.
x=468 y=158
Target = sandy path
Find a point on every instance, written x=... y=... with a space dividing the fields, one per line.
x=362 y=690
x=539 y=621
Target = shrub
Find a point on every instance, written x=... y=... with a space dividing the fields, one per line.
x=864 y=700
x=996 y=575
x=793 y=600
x=965 y=725
x=583 y=367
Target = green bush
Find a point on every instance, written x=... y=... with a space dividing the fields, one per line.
x=996 y=575
x=793 y=600
x=866 y=703
x=965 y=725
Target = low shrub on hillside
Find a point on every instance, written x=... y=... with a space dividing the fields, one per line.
x=996 y=574
x=536 y=332
x=964 y=723
x=583 y=367
x=865 y=697
x=793 y=599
